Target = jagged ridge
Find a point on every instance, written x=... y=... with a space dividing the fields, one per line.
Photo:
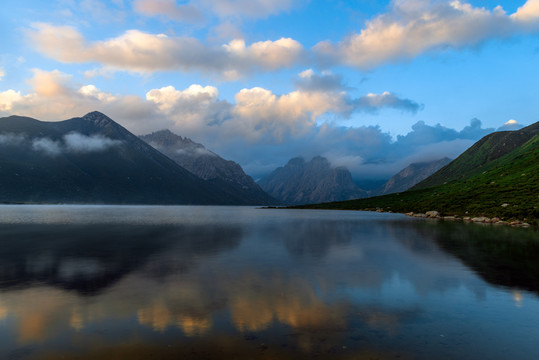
x=301 y=182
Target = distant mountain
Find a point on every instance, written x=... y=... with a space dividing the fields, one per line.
x=497 y=176
x=412 y=174
x=92 y=159
x=301 y=182
x=208 y=165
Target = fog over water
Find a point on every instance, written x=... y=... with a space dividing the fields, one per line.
x=239 y=282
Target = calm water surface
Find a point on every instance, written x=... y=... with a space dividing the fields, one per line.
x=112 y=282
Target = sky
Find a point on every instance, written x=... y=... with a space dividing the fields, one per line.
x=372 y=85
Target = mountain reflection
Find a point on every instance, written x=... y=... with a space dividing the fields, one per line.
x=90 y=258
x=501 y=256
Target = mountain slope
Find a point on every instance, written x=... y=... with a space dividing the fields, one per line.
x=472 y=161
x=507 y=187
x=208 y=165
x=300 y=182
x=92 y=160
x=413 y=174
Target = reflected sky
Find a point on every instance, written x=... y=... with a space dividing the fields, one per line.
x=217 y=282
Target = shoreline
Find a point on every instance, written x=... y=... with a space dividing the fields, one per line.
x=431 y=214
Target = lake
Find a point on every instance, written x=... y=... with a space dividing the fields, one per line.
x=189 y=282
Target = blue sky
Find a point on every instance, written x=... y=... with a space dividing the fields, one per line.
x=373 y=85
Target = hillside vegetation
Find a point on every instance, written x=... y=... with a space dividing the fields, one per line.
x=486 y=150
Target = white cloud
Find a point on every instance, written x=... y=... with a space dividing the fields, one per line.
x=528 y=14
x=268 y=55
x=92 y=92
x=2 y=74
x=414 y=27
x=47 y=146
x=511 y=124
x=168 y=98
x=8 y=98
x=257 y=114
x=143 y=52
x=70 y=143
x=80 y=143
x=50 y=83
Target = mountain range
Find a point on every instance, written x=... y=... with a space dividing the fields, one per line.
x=92 y=159
x=498 y=176
x=302 y=182
x=208 y=165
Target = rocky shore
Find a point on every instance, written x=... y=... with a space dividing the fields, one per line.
x=478 y=219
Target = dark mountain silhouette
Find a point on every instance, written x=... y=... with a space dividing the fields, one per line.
x=92 y=159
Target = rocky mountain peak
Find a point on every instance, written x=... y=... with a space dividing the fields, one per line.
x=301 y=182
x=167 y=139
x=98 y=118
x=206 y=164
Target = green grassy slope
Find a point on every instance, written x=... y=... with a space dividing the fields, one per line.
x=473 y=160
x=512 y=178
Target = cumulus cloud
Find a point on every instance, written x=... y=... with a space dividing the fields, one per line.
x=528 y=14
x=144 y=52
x=412 y=28
x=422 y=133
x=50 y=83
x=257 y=114
x=8 y=98
x=167 y=98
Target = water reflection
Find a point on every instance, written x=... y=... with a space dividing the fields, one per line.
x=502 y=256
x=265 y=285
x=90 y=258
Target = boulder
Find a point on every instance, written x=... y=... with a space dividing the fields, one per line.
x=481 y=219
